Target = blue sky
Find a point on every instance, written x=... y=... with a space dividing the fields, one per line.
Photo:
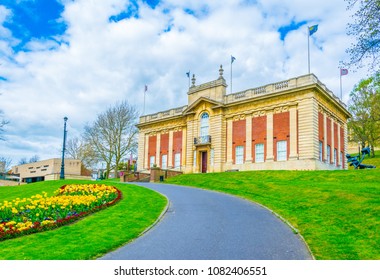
x=76 y=58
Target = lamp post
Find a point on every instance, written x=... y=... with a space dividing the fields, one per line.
x=63 y=150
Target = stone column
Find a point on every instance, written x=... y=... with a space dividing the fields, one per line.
x=184 y=147
x=248 y=139
x=146 y=158
x=229 y=141
x=270 y=156
x=170 y=152
x=325 y=138
x=293 y=133
x=332 y=140
x=158 y=147
x=338 y=148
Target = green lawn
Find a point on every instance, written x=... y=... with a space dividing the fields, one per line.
x=337 y=212
x=90 y=237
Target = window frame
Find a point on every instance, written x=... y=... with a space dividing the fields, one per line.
x=262 y=158
x=282 y=154
x=239 y=154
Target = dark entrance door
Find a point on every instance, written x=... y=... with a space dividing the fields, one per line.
x=204 y=162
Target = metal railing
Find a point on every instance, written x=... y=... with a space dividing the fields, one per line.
x=202 y=140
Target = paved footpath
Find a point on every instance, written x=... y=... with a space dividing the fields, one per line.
x=206 y=225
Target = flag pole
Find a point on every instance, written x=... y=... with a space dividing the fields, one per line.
x=341 y=92
x=232 y=61
x=231 y=75
x=188 y=75
x=145 y=89
x=308 y=48
x=144 y=103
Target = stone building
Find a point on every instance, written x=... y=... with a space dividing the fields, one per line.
x=49 y=169
x=293 y=124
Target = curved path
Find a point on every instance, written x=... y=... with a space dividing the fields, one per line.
x=206 y=225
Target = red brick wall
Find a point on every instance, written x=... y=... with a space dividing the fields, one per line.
x=321 y=131
x=238 y=136
x=177 y=144
x=281 y=131
x=152 y=146
x=328 y=127
x=259 y=134
x=164 y=146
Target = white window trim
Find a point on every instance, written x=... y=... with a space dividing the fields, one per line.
x=177 y=160
x=239 y=158
x=262 y=158
x=152 y=160
x=282 y=155
x=164 y=162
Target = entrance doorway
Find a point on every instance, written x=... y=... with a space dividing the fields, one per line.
x=204 y=162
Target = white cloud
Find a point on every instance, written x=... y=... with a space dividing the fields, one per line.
x=99 y=62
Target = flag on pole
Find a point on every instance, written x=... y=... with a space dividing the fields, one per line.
x=313 y=29
x=343 y=71
x=188 y=74
x=146 y=88
x=232 y=59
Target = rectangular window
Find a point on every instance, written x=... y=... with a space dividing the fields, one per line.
x=164 y=161
x=212 y=157
x=151 y=161
x=281 y=150
x=177 y=160
x=320 y=150
x=335 y=156
x=328 y=159
x=259 y=153
x=239 y=154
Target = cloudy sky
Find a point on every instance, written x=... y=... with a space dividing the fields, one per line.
x=76 y=58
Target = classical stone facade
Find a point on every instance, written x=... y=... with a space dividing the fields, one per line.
x=292 y=124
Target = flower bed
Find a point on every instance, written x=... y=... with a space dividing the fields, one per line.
x=40 y=212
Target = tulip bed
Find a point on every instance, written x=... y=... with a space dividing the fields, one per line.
x=39 y=213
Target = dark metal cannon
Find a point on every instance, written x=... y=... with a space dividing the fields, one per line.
x=356 y=161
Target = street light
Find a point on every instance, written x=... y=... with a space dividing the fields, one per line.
x=63 y=150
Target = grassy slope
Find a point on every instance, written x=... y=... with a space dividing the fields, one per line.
x=90 y=237
x=370 y=160
x=337 y=212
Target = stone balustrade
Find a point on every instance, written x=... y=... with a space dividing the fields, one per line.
x=293 y=83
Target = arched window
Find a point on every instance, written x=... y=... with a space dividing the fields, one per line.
x=204 y=126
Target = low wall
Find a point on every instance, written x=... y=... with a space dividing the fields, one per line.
x=9 y=183
x=157 y=174
x=133 y=177
x=56 y=176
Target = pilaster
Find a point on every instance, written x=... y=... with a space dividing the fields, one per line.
x=170 y=152
x=248 y=139
x=293 y=133
x=229 y=141
x=158 y=146
x=270 y=156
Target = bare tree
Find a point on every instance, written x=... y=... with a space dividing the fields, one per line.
x=366 y=29
x=5 y=164
x=34 y=158
x=78 y=149
x=3 y=123
x=23 y=161
x=113 y=135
